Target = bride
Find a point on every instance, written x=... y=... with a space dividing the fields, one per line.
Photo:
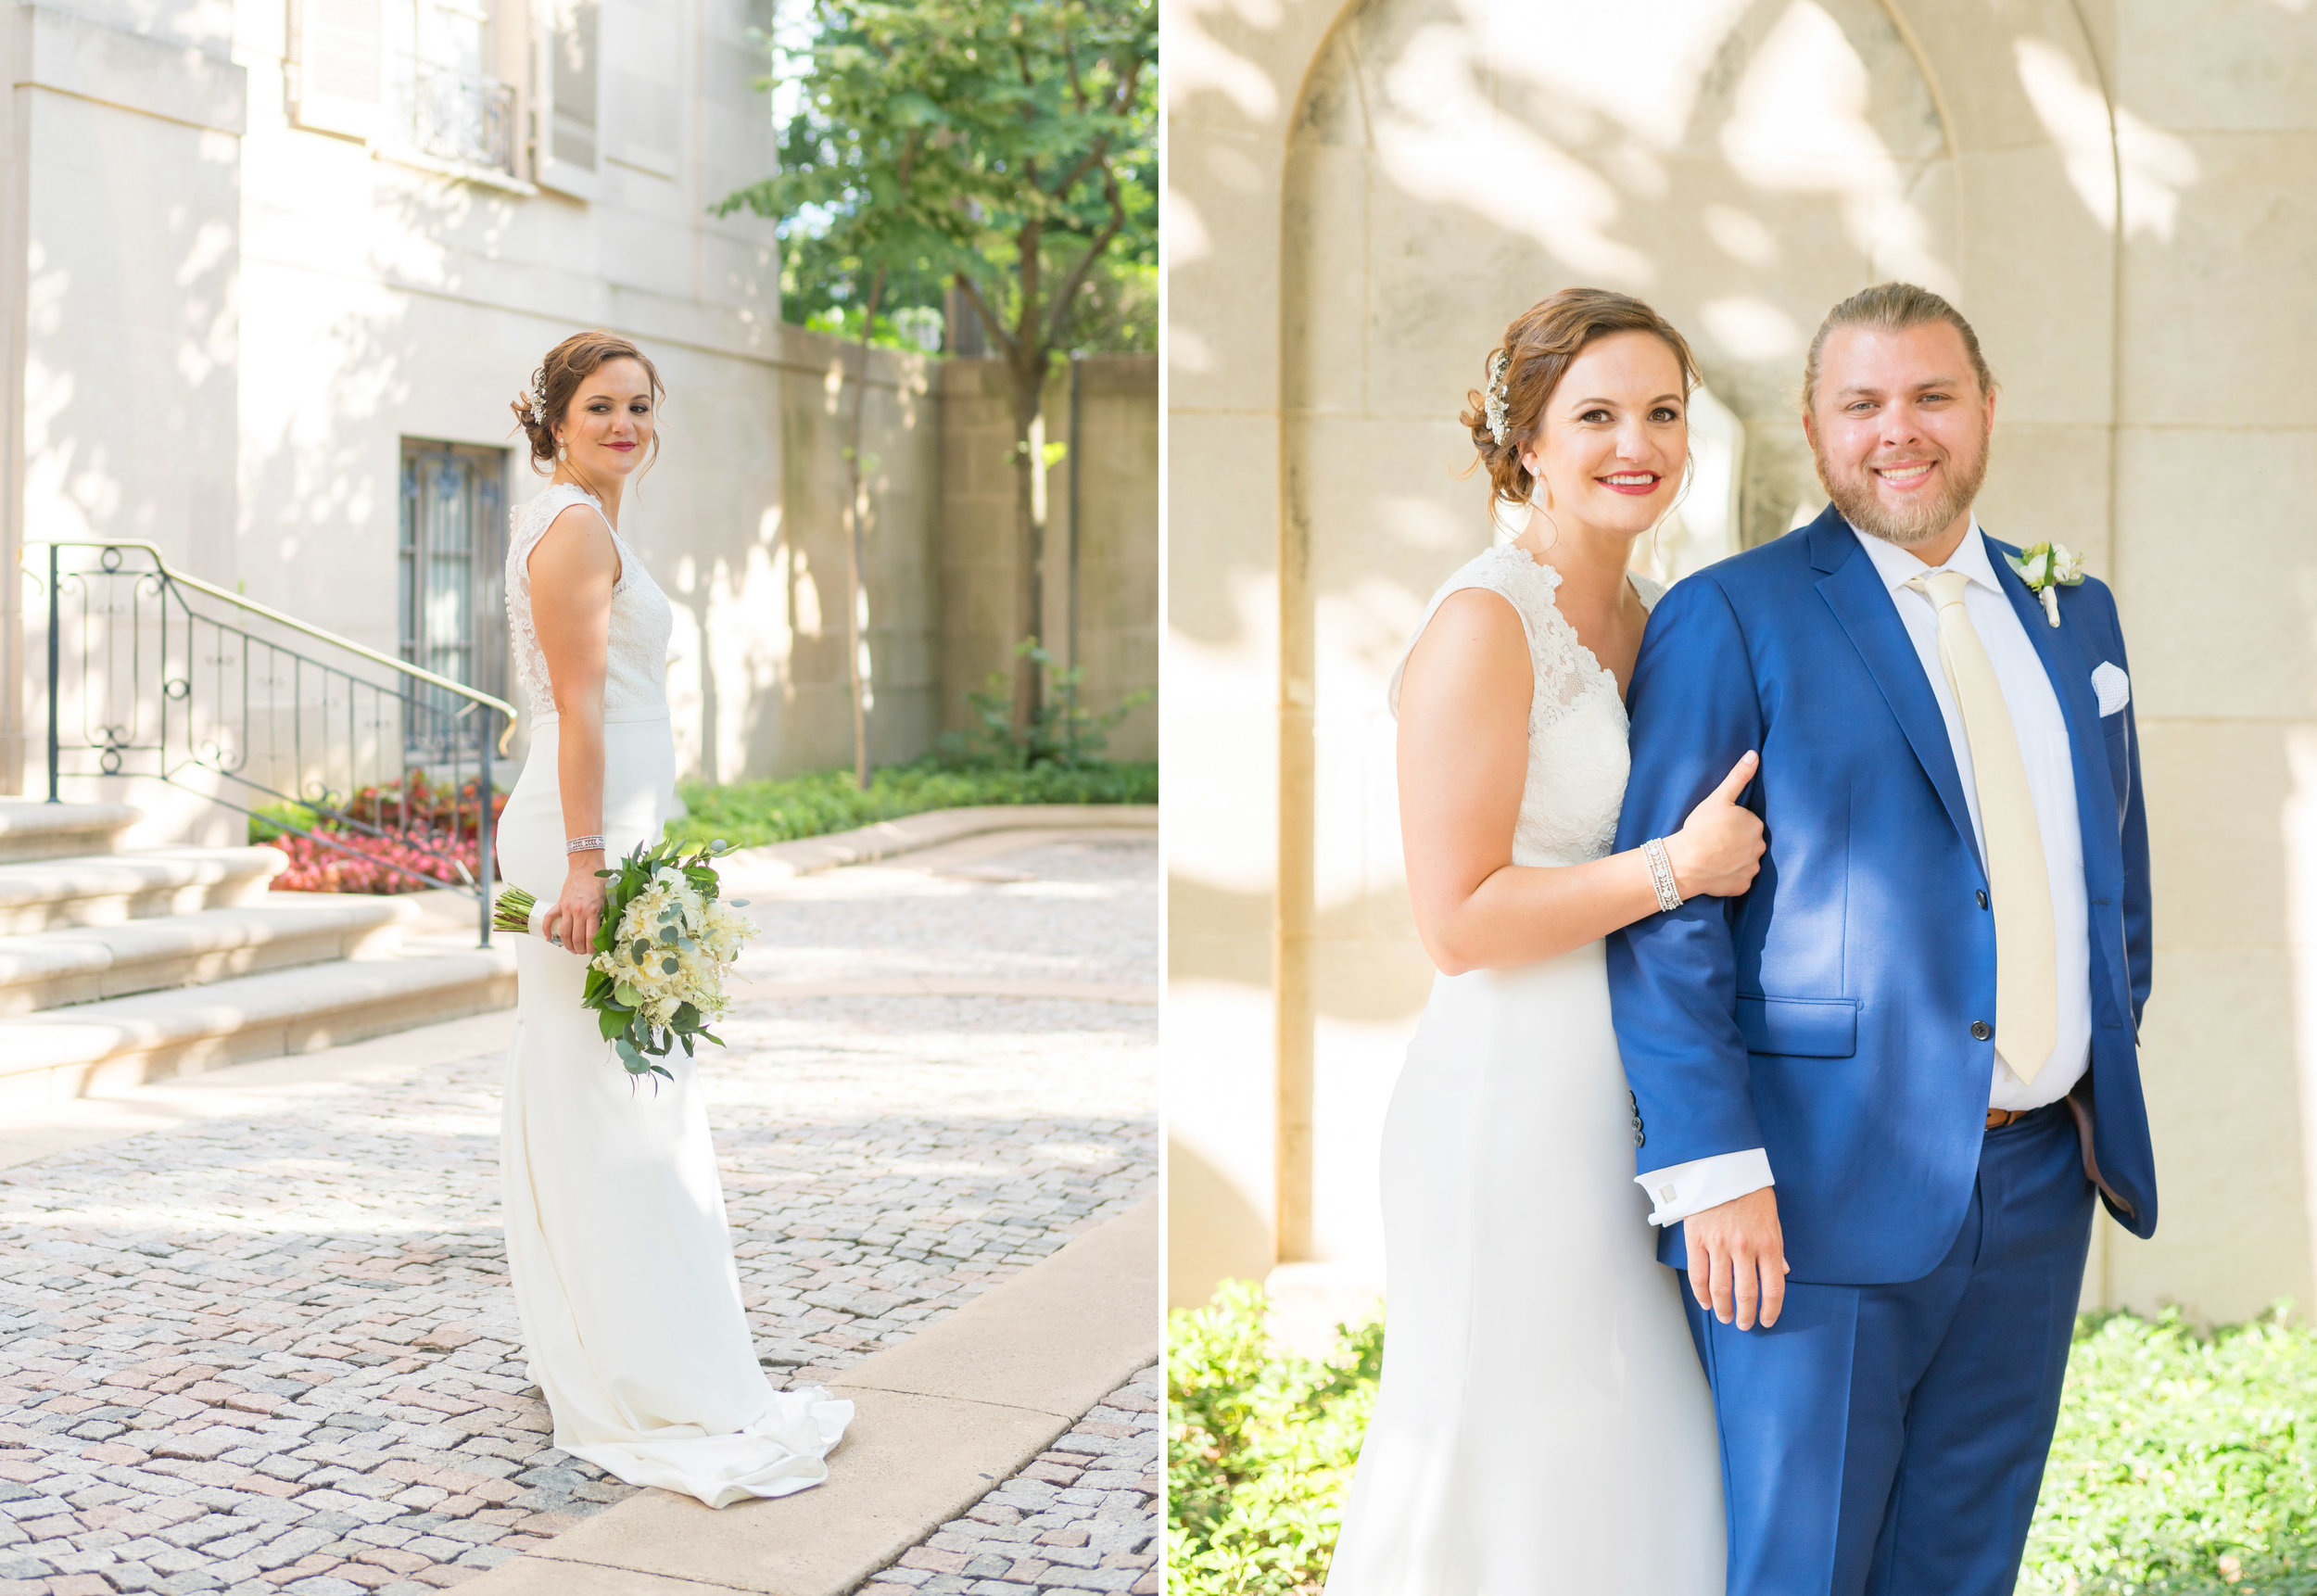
x=1542 y=1425
x=616 y=1243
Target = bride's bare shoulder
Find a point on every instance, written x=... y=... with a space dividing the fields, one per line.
x=573 y=549
x=1475 y=644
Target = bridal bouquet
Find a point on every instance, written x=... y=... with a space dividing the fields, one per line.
x=668 y=939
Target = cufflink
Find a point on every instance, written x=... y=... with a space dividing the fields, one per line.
x=1665 y=1194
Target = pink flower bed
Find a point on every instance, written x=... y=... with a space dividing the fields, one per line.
x=319 y=868
x=412 y=813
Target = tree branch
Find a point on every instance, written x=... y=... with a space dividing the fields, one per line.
x=981 y=309
x=1094 y=252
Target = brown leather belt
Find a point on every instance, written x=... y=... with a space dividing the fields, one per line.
x=2082 y=1112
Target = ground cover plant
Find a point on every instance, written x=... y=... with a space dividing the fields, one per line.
x=748 y=813
x=2185 y=1464
x=1260 y=1444
x=745 y=814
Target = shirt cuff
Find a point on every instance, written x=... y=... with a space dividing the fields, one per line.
x=1679 y=1190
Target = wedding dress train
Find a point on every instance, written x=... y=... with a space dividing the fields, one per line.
x=616 y=1242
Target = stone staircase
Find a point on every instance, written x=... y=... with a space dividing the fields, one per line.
x=122 y=966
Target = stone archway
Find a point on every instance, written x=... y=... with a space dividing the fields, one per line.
x=1745 y=164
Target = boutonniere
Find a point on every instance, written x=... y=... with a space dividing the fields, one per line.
x=2047 y=568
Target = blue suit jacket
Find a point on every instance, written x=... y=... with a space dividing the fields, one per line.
x=1826 y=1015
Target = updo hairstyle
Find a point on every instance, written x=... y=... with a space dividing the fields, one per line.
x=567 y=365
x=1538 y=345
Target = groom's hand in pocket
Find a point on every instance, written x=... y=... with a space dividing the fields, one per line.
x=1738 y=1259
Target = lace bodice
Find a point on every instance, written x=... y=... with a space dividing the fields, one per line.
x=1578 y=758
x=635 y=672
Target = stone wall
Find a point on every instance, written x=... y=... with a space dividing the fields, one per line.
x=1361 y=195
x=1108 y=479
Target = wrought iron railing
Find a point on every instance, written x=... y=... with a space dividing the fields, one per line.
x=155 y=672
x=454 y=115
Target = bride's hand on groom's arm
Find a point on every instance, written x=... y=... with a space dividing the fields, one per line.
x=1737 y=1259
x=1718 y=848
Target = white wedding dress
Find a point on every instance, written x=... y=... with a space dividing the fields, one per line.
x=1543 y=1427
x=616 y=1243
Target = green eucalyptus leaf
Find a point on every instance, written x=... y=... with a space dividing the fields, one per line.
x=669 y=966
x=628 y=996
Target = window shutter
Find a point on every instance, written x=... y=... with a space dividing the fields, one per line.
x=568 y=139
x=339 y=84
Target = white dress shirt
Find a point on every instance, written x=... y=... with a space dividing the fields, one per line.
x=1680 y=1190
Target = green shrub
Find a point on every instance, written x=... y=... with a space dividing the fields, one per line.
x=1261 y=1445
x=2184 y=1465
x=747 y=813
x=1060 y=730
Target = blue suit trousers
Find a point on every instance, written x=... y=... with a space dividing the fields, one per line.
x=1889 y=1440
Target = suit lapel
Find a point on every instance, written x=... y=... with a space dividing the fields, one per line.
x=2071 y=675
x=1853 y=589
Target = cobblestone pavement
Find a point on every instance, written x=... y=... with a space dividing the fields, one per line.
x=1085 y=1516
x=273 y=1350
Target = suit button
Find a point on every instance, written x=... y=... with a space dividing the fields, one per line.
x=1982 y=899
x=1982 y=1030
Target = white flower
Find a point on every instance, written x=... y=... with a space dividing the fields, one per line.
x=2047 y=568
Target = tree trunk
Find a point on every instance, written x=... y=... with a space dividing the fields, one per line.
x=1028 y=374
x=856 y=511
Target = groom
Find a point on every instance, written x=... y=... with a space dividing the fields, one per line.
x=1874 y=1096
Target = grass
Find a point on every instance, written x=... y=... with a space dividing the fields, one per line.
x=2185 y=1465
x=747 y=813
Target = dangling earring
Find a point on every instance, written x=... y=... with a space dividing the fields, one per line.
x=1543 y=506
x=559 y=450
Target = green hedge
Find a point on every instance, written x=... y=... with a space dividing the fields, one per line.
x=1260 y=1444
x=747 y=813
x=2185 y=1465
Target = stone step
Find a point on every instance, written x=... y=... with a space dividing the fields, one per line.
x=33 y=829
x=88 y=964
x=107 y=889
x=61 y=1054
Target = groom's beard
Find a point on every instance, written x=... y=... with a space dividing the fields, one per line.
x=1854 y=495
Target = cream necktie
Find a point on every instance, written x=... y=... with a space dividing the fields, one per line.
x=2027 y=976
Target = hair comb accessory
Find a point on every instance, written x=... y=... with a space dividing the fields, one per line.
x=539 y=397
x=1493 y=396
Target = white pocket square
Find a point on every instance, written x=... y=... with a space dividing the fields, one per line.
x=2113 y=687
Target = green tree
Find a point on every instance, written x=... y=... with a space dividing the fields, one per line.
x=1004 y=146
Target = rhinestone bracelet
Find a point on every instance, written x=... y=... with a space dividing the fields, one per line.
x=1662 y=874
x=582 y=845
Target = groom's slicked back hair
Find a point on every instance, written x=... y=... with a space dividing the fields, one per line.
x=1538 y=345
x=1891 y=308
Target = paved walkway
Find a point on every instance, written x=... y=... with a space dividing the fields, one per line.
x=1085 y=1516
x=271 y=1348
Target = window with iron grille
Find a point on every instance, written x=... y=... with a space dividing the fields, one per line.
x=441 y=101
x=452 y=600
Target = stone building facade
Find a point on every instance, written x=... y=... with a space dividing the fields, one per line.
x=270 y=274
